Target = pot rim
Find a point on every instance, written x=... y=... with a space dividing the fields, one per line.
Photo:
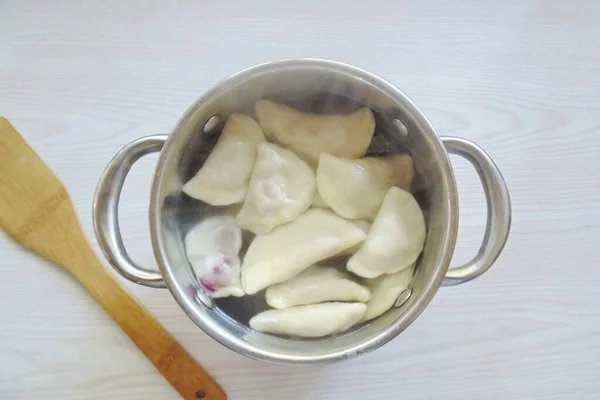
x=413 y=311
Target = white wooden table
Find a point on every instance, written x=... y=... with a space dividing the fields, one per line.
x=520 y=77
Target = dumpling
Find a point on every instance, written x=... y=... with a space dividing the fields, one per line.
x=291 y=248
x=281 y=188
x=212 y=249
x=313 y=320
x=223 y=179
x=317 y=284
x=395 y=240
x=385 y=290
x=356 y=188
x=309 y=135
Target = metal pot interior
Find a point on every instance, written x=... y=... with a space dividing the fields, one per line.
x=314 y=86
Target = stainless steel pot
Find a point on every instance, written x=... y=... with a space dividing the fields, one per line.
x=304 y=83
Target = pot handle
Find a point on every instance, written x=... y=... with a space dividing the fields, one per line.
x=498 y=211
x=106 y=207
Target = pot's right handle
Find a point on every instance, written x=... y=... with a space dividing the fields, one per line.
x=106 y=207
x=498 y=211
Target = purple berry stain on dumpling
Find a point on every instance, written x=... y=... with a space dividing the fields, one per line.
x=212 y=249
x=218 y=273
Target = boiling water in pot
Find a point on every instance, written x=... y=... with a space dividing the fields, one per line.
x=391 y=136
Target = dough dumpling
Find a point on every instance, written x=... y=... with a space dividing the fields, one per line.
x=385 y=290
x=317 y=284
x=314 y=320
x=212 y=249
x=291 y=248
x=309 y=135
x=356 y=188
x=395 y=240
x=223 y=179
x=281 y=189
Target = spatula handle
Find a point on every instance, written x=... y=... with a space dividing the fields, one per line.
x=169 y=357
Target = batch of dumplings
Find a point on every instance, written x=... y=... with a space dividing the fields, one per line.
x=309 y=196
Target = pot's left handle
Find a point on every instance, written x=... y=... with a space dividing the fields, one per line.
x=106 y=206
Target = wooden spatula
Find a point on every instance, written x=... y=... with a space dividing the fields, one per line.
x=37 y=212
